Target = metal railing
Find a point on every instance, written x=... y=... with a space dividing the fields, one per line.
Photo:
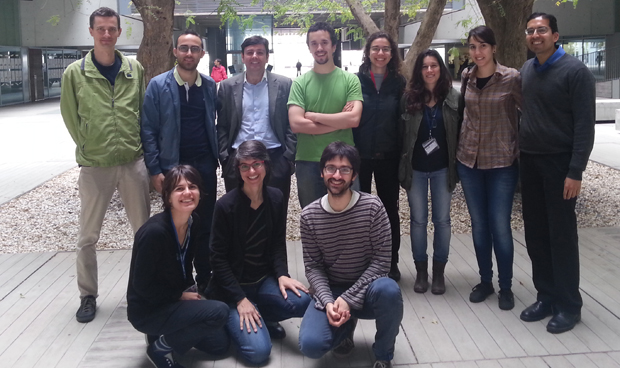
x=604 y=64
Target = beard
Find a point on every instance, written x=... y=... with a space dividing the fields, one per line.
x=338 y=192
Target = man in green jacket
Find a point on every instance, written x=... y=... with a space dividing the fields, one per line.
x=100 y=103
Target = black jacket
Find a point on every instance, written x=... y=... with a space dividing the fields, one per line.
x=228 y=239
x=376 y=137
x=155 y=275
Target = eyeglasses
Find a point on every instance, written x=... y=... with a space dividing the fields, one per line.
x=344 y=170
x=103 y=30
x=185 y=49
x=376 y=49
x=539 y=30
x=254 y=165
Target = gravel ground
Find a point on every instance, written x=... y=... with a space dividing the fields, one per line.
x=46 y=218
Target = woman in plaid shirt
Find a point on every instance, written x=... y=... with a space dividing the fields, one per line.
x=487 y=161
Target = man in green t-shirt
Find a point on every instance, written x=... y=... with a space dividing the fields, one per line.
x=323 y=105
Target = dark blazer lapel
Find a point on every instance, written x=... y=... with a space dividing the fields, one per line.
x=272 y=83
x=238 y=98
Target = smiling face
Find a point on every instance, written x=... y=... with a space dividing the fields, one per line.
x=105 y=32
x=543 y=45
x=337 y=183
x=184 y=197
x=430 y=72
x=254 y=176
x=320 y=46
x=379 y=54
x=481 y=52
x=255 y=58
x=188 y=60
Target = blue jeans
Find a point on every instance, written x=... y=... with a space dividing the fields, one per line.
x=383 y=303
x=310 y=185
x=418 y=207
x=255 y=347
x=489 y=195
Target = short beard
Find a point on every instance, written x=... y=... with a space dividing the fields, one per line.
x=189 y=70
x=341 y=193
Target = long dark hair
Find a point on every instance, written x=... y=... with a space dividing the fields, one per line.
x=393 y=65
x=416 y=93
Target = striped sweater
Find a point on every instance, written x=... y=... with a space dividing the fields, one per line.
x=351 y=248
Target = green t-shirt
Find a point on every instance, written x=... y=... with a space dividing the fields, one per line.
x=327 y=94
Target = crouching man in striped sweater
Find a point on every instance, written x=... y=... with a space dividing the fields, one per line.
x=346 y=240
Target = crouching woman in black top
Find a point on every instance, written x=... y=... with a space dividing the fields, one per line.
x=158 y=301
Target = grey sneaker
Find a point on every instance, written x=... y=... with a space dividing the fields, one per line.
x=382 y=364
x=87 y=310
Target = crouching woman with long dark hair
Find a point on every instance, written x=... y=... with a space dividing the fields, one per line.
x=158 y=301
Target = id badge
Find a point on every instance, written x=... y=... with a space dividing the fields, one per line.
x=430 y=145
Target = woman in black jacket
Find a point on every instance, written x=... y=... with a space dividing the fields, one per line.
x=248 y=258
x=161 y=298
x=376 y=137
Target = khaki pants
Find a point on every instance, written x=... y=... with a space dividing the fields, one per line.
x=96 y=187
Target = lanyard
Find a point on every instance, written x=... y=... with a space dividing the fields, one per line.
x=182 y=251
x=430 y=120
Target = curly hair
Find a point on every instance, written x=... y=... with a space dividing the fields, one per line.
x=393 y=65
x=416 y=93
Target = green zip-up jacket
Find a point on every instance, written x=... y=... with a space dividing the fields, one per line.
x=103 y=120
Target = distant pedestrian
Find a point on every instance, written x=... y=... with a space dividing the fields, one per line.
x=298 y=66
x=218 y=73
x=556 y=137
x=100 y=104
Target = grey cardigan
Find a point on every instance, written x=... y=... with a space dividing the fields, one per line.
x=410 y=124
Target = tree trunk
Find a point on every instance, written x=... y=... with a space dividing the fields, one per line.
x=425 y=34
x=363 y=19
x=392 y=18
x=155 y=52
x=507 y=18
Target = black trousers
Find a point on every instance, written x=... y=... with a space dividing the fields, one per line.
x=551 y=230
x=281 y=171
x=388 y=190
x=189 y=323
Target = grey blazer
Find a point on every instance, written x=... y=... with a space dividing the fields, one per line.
x=230 y=113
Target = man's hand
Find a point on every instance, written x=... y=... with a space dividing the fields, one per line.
x=248 y=315
x=291 y=284
x=190 y=296
x=157 y=181
x=348 y=107
x=572 y=188
x=338 y=313
x=311 y=116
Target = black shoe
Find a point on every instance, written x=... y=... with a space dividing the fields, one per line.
x=87 y=310
x=276 y=331
x=537 y=311
x=480 y=292
x=346 y=346
x=150 y=339
x=161 y=359
x=506 y=299
x=394 y=273
x=562 y=322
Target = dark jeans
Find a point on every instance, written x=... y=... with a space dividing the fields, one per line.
x=388 y=189
x=281 y=171
x=551 y=230
x=489 y=195
x=206 y=166
x=190 y=323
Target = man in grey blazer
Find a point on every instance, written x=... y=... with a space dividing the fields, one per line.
x=253 y=105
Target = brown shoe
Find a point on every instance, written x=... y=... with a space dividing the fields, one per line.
x=439 y=282
x=421 y=279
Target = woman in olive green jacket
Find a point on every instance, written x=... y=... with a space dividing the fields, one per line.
x=429 y=126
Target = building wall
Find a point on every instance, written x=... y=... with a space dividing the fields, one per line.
x=72 y=28
x=9 y=23
x=589 y=18
x=449 y=27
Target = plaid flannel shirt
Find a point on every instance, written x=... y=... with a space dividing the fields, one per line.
x=489 y=134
